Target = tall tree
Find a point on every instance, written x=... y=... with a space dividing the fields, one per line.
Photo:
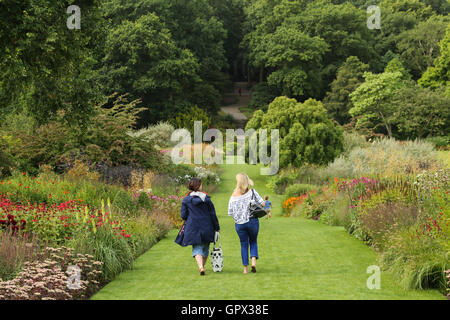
x=45 y=66
x=307 y=135
x=295 y=58
x=372 y=100
x=231 y=14
x=421 y=112
x=419 y=47
x=143 y=60
x=398 y=16
x=194 y=26
x=349 y=77
x=329 y=33
x=439 y=74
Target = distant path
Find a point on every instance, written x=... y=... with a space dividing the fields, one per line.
x=244 y=100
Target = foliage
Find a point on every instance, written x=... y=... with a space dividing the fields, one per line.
x=405 y=217
x=380 y=222
x=348 y=78
x=123 y=203
x=144 y=60
x=419 y=46
x=158 y=134
x=104 y=141
x=15 y=249
x=399 y=16
x=336 y=213
x=262 y=95
x=418 y=263
x=50 y=189
x=298 y=189
x=384 y=157
x=439 y=74
x=442 y=142
x=353 y=140
x=371 y=100
x=47 y=67
x=421 y=112
x=97 y=230
x=186 y=119
x=80 y=171
x=114 y=251
x=301 y=44
x=307 y=135
x=54 y=224
x=191 y=33
x=278 y=183
x=292 y=54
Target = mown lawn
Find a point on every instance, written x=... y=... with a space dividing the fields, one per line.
x=299 y=259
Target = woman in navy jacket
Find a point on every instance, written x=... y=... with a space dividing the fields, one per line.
x=198 y=211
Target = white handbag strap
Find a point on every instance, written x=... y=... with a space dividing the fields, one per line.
x=217 y=239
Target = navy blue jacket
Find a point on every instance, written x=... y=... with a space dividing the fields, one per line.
x=201 y=220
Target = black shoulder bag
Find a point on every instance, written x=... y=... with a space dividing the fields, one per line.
x=255 y=209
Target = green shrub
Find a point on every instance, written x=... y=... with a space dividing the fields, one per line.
x=186 y=119
x=124 y=203
x=307 y=135
x=52 y=188
x=440 y=143
x=385 y=157
x=104 y=140
x=417 y=262
x=341 y=168
x=146 y=230
x=143 y=201
x=279 y=182
x=105 y=245
x=159 y=134
x=262 y=96
x=353 y=140
x=336 y=213
x=385 y=219
x=307 y=174
x=298 y=189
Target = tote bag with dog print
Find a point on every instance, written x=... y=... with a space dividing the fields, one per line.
x=217 y=254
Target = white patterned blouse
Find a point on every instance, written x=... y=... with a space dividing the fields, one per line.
x=238 y=206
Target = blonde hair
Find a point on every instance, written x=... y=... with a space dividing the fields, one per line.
x=243 y=182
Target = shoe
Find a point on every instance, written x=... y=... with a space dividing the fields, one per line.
x=253 y=269
x=202 y=273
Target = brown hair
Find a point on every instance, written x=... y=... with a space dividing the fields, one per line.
x=194 y=184
x=266 y=198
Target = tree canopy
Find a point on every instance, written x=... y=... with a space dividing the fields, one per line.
x=307 y=135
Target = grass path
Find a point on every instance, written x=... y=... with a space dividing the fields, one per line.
x=299 y=259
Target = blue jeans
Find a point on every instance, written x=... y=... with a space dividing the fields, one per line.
x=202 y=249
x=248 y=234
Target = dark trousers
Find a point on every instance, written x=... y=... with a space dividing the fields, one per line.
x=248 y=234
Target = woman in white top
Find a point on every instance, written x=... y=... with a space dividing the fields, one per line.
x=247 y=228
